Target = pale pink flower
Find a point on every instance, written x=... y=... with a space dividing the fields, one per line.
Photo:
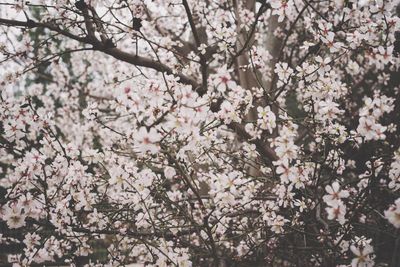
x=13 y=216
x=334 y=193
x=147 y=140
x=337 y=211
x=363 y=255
x=393 y=214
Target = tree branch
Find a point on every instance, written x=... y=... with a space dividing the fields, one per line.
x=262 y=147
x=114 y=52
x=203 y=61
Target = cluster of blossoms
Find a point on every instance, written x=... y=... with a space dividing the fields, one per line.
x=336 y=208
x=373 y=109
x=200 y=133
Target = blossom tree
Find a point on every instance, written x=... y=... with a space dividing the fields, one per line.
x=200 y=132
